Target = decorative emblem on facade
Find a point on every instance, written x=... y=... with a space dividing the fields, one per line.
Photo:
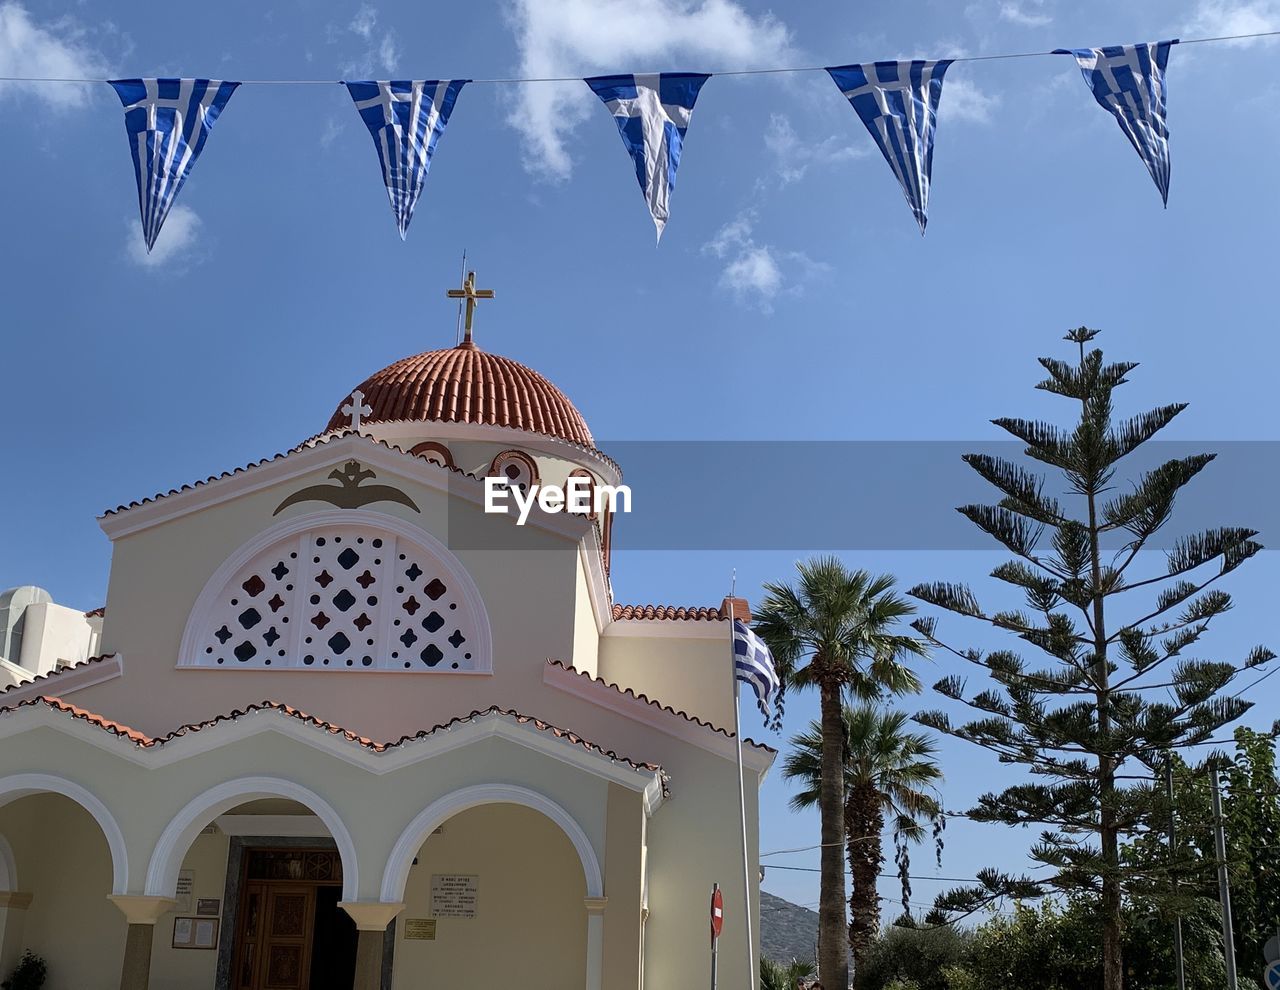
x=350 y=492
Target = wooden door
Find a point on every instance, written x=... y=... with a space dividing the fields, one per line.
x=253 y=903
x=285 y=959
x=275 y=937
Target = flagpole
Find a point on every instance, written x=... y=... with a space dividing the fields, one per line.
x=715 y=936
x=742 y=798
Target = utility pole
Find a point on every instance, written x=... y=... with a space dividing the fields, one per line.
x=1224 y=886
x=1173 y=852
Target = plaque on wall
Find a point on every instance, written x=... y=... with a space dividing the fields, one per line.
x=453 y=895
x=420 y=928
x=206 y=936
x=195 y=933
x=186 y=883
x=208 y=906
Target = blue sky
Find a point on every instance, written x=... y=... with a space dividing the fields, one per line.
x=792 y=297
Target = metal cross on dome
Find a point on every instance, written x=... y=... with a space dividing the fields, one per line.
x=470 y=293
x=356 y=409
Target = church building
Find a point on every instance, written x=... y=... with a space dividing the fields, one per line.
x=337 y=726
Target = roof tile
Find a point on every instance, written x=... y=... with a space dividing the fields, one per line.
x=692 y=613
x=464 y=384
x=144 y=741
x=58 y=672
x=317 y=441
x=632 y=693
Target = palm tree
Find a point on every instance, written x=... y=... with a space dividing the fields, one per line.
x=835 y=631
x=888 y=773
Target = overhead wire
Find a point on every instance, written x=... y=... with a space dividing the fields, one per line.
x=514 y=80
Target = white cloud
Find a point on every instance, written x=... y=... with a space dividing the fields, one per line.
x=56 y=49
x=731 y=236
x=332 y=128
x=177 y=238
x=1223 y=18
x=388 y=53
x=363 y=23
x=755 y=273
x=963 y=101
x=581 y=37
x=1027 y=13
x=794 y=155
x=377 y=55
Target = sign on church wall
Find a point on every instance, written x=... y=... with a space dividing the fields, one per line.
x=420 y=928
x=453 y=895
x=186 y=884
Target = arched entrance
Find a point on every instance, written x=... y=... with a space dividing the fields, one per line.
x=260 y=865
x=61 y=855
x=502 y=887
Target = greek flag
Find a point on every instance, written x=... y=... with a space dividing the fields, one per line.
x=753 y=665
x=1128 y=81
x=652 y=113
x=168 y=122
x=898 y=103
x=406 y=120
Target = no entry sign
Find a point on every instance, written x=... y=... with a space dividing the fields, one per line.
x=717 y=912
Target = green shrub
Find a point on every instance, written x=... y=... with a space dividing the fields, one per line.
x=776 y=976
x=1057 y=946
x=29 y=974
x=914 y=958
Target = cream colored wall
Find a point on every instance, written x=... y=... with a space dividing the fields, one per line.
x=535 y=598
x=157 y=574
x=689 y=674
x=63 y=861
x=689 y=839
x=144 y=800
x=624 y=885
x=586 y=637
x=530 y=924
x=534 y=587
x=189 y=969
x=692 y=843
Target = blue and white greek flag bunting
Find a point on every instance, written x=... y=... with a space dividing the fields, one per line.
x=898 y=103
x=1128 y=82
x=406 y=119
x=168 y=122
x=753 y=664
x=652 y=113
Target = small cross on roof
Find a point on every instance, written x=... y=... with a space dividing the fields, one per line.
x=470 y=293
x=356 y=409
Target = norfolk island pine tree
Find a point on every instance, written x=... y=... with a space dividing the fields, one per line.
x=1115 y=695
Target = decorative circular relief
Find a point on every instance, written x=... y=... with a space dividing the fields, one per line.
x=517 y=468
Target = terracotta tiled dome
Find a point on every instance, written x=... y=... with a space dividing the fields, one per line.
x=464 y=384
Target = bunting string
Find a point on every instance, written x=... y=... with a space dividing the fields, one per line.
x=168 y=121
x=513 y=80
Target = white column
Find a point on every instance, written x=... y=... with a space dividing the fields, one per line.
x=372 y=919
x=595 y=940
x=142 y=912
